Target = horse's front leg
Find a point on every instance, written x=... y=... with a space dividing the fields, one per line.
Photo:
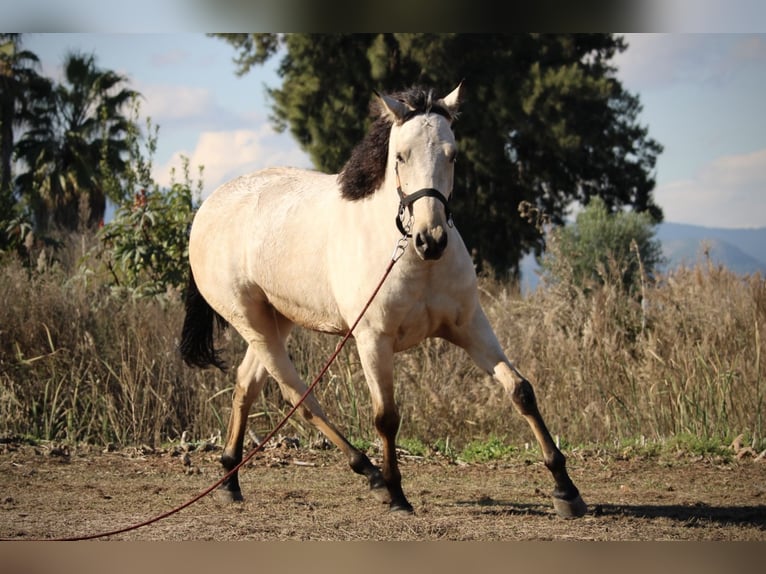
x=377 y=354
x=480 y=342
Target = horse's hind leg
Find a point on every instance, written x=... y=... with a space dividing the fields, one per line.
x=268 y=344
x=311 y=411
x=251 y=376
x=482 y=345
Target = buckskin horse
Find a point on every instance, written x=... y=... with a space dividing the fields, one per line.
x=285 y=246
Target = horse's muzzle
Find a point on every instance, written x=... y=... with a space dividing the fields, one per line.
x=432 y=243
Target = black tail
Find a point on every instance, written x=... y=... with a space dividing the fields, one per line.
x=197 y=346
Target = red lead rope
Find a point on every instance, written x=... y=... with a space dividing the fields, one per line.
x=398 y=252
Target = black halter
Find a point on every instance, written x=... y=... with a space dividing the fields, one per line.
x=406 y=201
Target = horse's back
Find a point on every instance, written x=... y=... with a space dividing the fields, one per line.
x=256 y=238
x=264 y=191
x=262 y=202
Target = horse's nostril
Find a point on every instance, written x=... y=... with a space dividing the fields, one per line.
x=431 y=245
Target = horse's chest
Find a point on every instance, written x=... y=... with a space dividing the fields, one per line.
x=425 y=317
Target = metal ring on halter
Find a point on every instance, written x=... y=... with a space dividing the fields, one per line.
x=403 y=229
x=399 y=248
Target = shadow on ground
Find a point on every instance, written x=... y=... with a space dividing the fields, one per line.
x=754 y=516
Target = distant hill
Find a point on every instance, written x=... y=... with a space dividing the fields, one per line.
x=741 y=250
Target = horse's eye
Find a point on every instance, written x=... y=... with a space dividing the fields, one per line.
x=399 y=158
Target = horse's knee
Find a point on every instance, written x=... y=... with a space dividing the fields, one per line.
x=523 y=397
x=387 y=422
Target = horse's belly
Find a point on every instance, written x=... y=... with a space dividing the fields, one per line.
x=310 y=316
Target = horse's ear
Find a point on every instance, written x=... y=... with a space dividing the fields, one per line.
x=394 y=108
x=453 y=100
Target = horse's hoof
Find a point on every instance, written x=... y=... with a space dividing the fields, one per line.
x=227 y=496
x=574 y=508
x=381 y=494
x=401 y=508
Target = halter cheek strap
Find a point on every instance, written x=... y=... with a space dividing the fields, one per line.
x=406 y=201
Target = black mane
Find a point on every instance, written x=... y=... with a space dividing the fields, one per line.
x=366 y=168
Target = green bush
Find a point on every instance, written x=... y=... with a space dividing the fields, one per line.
x=600 y=247
x=145 y=247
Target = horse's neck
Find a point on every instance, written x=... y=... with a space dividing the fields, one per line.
x=378 y=213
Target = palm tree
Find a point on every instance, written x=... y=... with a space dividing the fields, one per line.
x=18 y=76
x=77 y=136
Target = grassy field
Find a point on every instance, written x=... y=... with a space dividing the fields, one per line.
x=81 y=363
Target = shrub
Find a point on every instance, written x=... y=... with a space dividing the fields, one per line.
x=145 y=246
x=600 y=245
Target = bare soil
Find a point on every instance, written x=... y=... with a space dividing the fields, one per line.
x=304 y=494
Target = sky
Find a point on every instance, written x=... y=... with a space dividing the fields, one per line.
x=701 y=94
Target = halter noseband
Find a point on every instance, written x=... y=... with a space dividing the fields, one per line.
x=406 y=201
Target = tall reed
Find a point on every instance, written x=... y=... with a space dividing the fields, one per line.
x=78 y=363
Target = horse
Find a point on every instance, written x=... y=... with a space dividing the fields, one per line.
x=287 y=246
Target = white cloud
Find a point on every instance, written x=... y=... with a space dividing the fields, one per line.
x=166 y=102
x=650 y=59
x=228 y=154
x=728 y=192
x=660 y=60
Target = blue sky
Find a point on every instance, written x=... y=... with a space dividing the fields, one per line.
x=701 y=95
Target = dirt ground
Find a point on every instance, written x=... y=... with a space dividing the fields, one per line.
x=303 y=494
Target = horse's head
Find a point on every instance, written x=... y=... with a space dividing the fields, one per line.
x=421 y=157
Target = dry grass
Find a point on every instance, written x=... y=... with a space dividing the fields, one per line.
x=687 y=361
x=79 y=364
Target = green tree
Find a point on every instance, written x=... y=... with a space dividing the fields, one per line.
x=545 y=121
x=18 y=79
x=600 y=246
x=145 y=246
x=75 y=128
